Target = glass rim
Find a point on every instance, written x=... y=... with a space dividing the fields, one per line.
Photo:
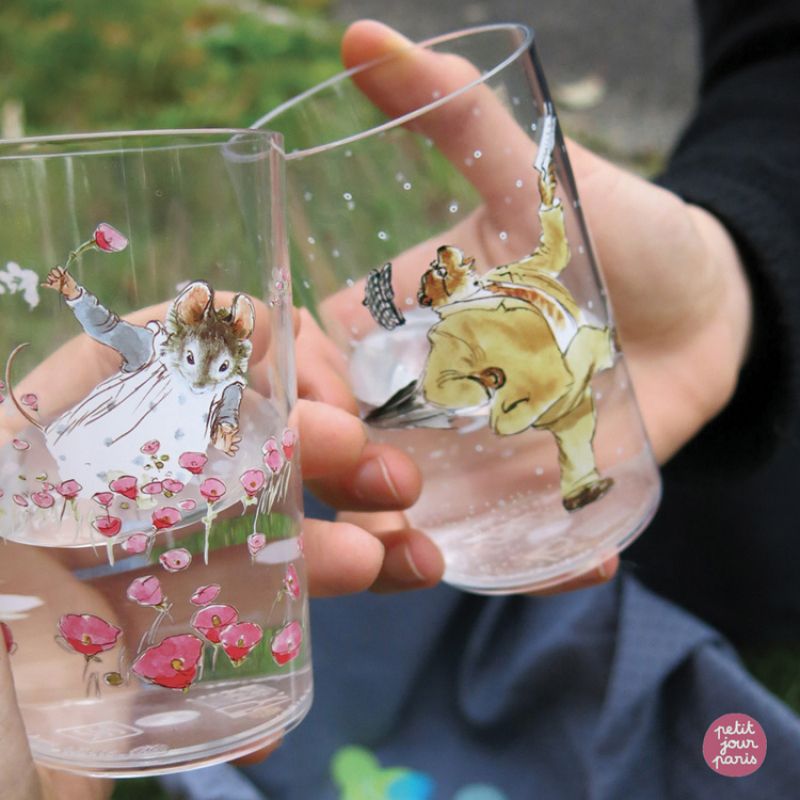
x=527 y=37
x=26 y=146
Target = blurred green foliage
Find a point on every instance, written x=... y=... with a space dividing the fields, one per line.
x=93 y=65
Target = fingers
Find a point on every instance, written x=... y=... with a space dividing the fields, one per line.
x=20 y=781
x=602 y=573
x=471 y=122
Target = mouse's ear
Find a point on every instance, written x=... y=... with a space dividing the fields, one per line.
x=243 y=316
x=193 y=303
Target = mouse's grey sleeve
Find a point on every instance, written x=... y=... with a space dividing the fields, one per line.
x=226 y=410
x=133 y=342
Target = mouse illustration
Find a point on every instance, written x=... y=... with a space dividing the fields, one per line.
x=180 y=385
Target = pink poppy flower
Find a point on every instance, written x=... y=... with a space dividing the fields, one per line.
x=107 y=526
x=104 y=499
x=8 y=638
x=30 y=400
x=286 y=643
x=172 y=663
x=205 y=594
x=109 y=239
x=193 y=462
x=137 y=543
x=211 y=620
x=69 y=490
x=165 y=517
x=212 y=489
x=146 y=591
x=288 y=441
x=88 y=634
x=239 y=640
x=255 y=543
x=150 y=448
x=126 y=486
x=253 y=481
x=291 y=583
x=20 y=500
x=188 y=505
x=154 y=487
x=43 y=499
x=175 y=560
x=172 y=486
x=20 y=444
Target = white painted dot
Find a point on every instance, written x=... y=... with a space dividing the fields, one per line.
x=312 y=240
x=477 y=154
x=348 y=153
x=503 y=236
x=167 y=718
x=478 y=448
x=306 y=284
x=453 y=207
x=335 y=253
x=347 y=196
x=307 y=196
x=519 y=183
x=539 y=471
x=533 y=126
x=350 y=205
x=407 y=185
x=383 y=236
x=398 y=176
x=409 y=301
x=350 y=282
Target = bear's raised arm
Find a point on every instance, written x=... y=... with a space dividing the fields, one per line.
x=133 y=342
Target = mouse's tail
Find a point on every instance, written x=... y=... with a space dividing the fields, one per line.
x=20 y=408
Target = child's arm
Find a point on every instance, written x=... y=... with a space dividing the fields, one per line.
x=132 y=342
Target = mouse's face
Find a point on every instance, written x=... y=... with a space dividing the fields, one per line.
x=449 y=279
x=204 y=359
x=208 y=347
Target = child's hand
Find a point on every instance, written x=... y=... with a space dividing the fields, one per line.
x=60 y=280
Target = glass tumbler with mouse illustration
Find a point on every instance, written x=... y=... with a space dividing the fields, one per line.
x=152 y=587
x=438 y=239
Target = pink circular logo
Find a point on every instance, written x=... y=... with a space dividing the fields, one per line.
x=735 y=745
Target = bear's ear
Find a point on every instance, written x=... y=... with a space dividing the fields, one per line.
x=194 y=303
x=243 y=316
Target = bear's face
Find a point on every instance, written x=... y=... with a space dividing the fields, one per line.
x=449 y=279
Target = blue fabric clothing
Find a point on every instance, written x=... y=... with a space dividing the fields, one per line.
x=601 y=694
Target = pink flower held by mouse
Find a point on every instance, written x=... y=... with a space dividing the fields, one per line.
x=109 y=239
x=151 y=448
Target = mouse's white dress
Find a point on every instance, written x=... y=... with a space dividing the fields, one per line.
x=102 y=437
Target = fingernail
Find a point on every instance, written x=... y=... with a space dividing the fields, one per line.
x=373 y=478
x=409 y=558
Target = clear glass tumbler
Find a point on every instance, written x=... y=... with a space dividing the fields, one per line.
x=439 y=240
x=152 y=589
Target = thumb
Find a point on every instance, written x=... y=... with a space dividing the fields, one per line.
x=18 y=777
